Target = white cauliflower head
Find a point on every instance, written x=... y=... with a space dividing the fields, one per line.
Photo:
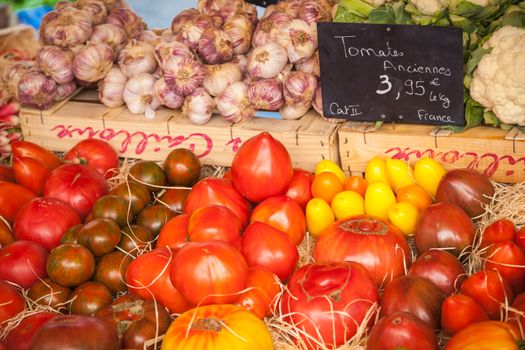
x=430 y=7
x=498 y=83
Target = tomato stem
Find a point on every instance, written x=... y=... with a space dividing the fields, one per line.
x=207 y=324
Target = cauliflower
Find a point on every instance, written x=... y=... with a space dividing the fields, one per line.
x=430 y=7
x=498 y=83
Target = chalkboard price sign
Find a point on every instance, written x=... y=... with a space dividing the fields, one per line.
x=263 y=3
x=400 y=73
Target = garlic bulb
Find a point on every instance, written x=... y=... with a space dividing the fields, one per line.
x=137 y=57
x=111 y=35
x=165 y=51
x=127 y=20
x=269 y=27
x=167 y=96
x=310 y=65
x=215 y=46
x=269 y=10
x=299 y=88
x=198 y=107
x=139 y=95
x=62 y=4
x=266 y=94
x=207 y=6
x=111 y=88
x=234 y=104
x=92 y=62
x=56 y=64
x=184 y=75
x=190 y=34
x=65 y=90
x=290 y=7
x=67 y=27
x=240 y=61
x=267 y=61
x=317 y=102
x=96 y=9
x=313 y=11
x=11 y=76
x=299 y=38
x=240 y=30
x=250 y=11
x=290 y=112
x=167 y=36
x=220 y=76
x=148 y=36
x=182 y=19
x=37 y=90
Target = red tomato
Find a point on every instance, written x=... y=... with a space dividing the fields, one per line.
x=23 y=263
x=6 y=235
x=444 y=225
x=210 y=191
x=486 y=335
x=284 y=214
x=508 y=258
x=329 y=301
x=45 y=220
x=135 y=239
x=376 y=244
x=30 y=173
x=458 y=311
x=520 y=237
x=149 y=275
x=212 y=272
x=88 y=298
x=497 y=231
x=70 y=265
x=299 y=188
x=100 y=236
x=215 y=222
x=6 y=174
x=490 y=290
x=110 y=270
x=261 y=168
x=175 y=232
x=11 y=302
x=517 y=313
x=401 y=330
x=263 y=245
x=75 y=332
x=96 y=154
x=77 y=185
x=263 y=287
x=440 y=267
x=416 y=295
x=20 y=337
x=174 y=198
x=154 y=217
x=12 y=198
x=32 y=150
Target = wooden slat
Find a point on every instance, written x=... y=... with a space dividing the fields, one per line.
x=482 y=148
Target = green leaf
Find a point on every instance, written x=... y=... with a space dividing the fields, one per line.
x=473 y=116
x=353 y=11
x=490 y=119
x=391 y=13
x=476 y=56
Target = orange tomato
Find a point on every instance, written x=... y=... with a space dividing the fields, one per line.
x=326 y=185
x=416 y=195
x=356 y=184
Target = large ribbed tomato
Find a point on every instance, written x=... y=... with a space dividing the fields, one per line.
x=217 y=327
x=261 y=294
x=508 y=259
x=20 y=337
x=486 y=335
x=96 y=154
x=261 y=168
x=11 y=302
x=215 y=191
x=376 y=244
x=148 y=276
x=215 y=222
x=328 y=302
x=23 y=263
x=12 y=198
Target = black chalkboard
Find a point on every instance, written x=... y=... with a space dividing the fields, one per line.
x=263 y=3
x=399 y=73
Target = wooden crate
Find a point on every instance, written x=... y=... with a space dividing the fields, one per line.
x=485 y=149
x=308 y=140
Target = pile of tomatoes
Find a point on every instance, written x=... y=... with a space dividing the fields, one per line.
x=97 y=257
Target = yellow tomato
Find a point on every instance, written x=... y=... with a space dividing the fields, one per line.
x=379 y=198
x=428 y=173
x=217 y=327
x=404 y=216
x=376 y=171
x=319 y=216
x=331 y=166
x=348 y=203
x=326 y=185
x=399 y=173
x=416 y=195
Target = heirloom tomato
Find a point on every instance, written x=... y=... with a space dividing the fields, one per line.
x=75 y=332
x=486 y=335
x=32 y=150
x=96 y=154
x=399 y=173
x=416 y=195
x=458 y=311
x=175 y=232
x=11 y=302
x=262 y=289
x=135 y=239
x=45 y=220
x=6 y=235
x=217 y=327
x=517 y=313
x=182 y=167
x=148 y=173
x=212 y=272
x=88 y=298
x=20 y=337
x=404 y=216
x=261 y=168
x=138 y=194
x=328 y=302
x=376 y=171
x=376 y=244
x=346 y=204
x=70 y=265
x=498 y=231
x=284 y=214
x=428 y=173
x=326 y=185
x=319 y=216
x=30 y=173
x=520 y=237
x=299 y=188
x=12 y=198
x=114 y=208
x=100 y=236
x=509 y=260
x=379 y=199
x=215 y=222
x=77 y=185
x=23 y=263
x=357 y=184
x=209 y=191
x=155 y=217
x=48 y=293
x=174 y=198
x=6 y=174
x=110 y=270
x=71 y=235
x=330 y=166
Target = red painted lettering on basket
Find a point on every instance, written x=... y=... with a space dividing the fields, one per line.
x=236 y=143
x=144 y=140
x=477 y=161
